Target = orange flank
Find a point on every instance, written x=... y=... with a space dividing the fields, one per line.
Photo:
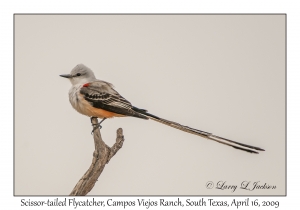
x=101 y=113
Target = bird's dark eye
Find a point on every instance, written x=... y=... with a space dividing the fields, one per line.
x=78 y=74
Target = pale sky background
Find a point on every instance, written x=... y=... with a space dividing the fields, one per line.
x=223 y=74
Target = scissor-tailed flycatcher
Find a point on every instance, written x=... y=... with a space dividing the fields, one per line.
x=97 y=98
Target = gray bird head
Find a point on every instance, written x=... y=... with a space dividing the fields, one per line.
x=80 y=74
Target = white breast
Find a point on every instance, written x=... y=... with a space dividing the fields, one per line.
x=78 y=102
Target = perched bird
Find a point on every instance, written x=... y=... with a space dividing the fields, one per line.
x=97 y=98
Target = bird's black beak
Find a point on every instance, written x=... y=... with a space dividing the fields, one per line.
x=66 y=75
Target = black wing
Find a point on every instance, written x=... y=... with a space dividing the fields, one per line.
x=102 y=96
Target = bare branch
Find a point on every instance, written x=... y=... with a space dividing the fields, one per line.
x=101 y=157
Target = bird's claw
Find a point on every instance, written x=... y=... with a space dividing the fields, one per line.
x=96 y=126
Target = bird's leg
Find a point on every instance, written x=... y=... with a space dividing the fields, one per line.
x=101 y=122
x=97 y=125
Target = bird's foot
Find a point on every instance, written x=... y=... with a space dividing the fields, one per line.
x=97 y=125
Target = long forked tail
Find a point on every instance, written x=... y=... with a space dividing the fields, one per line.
x=234 y=144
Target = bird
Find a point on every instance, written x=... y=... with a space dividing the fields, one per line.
x=97 y=98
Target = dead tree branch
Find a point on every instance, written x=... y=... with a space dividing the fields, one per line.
x=101 y=157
